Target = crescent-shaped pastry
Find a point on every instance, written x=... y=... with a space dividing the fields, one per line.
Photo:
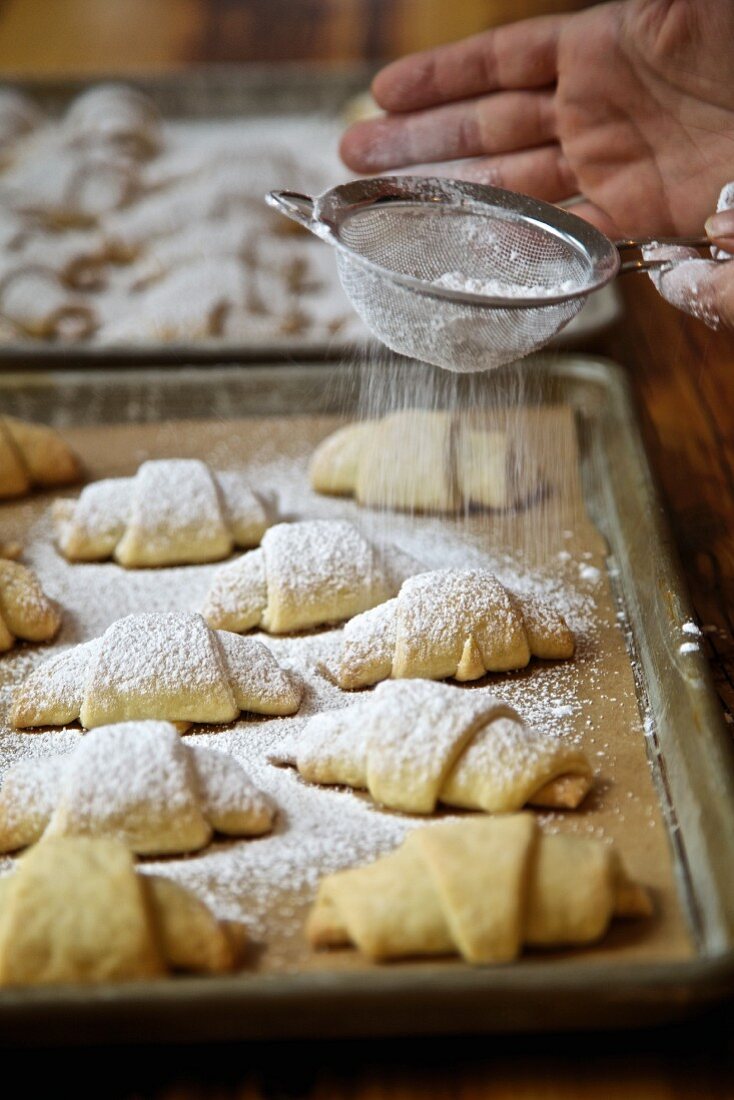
x=81 y=186
x=76 y=256
x=304 y=575
x=190 y=303
x=35 y=299
x=460 y=623
x=115 y=115
x=33 y=455
x=173 y=511
x=414 y=744
x=418 y=460
x=482 y=888
x=137 y=782
x=25 y=610
x=76 y=910
x=169 y=666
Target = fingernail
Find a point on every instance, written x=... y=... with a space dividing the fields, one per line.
x=720 y=225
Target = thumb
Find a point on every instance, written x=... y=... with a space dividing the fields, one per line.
x=720 y=226
x=720 y=230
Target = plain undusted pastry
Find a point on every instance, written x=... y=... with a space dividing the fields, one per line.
x=137 y=782
x=76 y=910
x=172 y=512
x=169 y=666
x=459 y=623
x=33 y=455
x=304 y=575
x=426 y=461
x=482 y=888
x=402 y=461
x=25 y=610
x=414 y=744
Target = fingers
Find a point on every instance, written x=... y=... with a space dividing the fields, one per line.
x=701 y=288
x=519 y=55
x=594 y=214
x=543 y=173
x=492 y=124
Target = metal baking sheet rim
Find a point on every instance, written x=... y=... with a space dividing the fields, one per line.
x=222 y=90
x=693 y=764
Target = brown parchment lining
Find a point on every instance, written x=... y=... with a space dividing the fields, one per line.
x=591 y=699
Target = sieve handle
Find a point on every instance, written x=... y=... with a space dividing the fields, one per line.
x=299 y=208
x=630 y=266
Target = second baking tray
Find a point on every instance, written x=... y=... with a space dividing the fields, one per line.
x=275 y=96
x=687 y=745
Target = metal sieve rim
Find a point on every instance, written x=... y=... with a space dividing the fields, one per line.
x=325 y=214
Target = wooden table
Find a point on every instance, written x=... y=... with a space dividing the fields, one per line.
x=683 y=375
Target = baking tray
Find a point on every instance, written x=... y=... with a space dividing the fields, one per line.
x=227 y=92
x=688 y=747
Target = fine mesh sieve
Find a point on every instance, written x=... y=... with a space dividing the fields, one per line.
x=533 y=264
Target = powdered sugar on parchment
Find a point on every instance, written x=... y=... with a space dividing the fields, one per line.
x=269 y=882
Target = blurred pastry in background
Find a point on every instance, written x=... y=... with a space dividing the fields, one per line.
x=33 y=456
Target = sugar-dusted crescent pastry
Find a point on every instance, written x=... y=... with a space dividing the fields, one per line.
x=225 y=238
x=76 y=910
x=33 y=455
x=82 y=185
x=304 y=575
x=115 y=115
x=191 y=302
x=481 y=888
x=137 y=782
x=169 y=666
x=75 y=256
x=414 y=744
x=35 y=299
x=163 y=213
x=459 y=623
x=25 y=610
x=174 y=511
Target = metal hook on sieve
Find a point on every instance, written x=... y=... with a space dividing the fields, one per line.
x=629 y=267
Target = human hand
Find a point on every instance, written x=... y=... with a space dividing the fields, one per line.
x=629 y=104
x=703 y=288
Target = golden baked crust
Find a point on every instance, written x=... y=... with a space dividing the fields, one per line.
x=75 y=910
x=482 y=888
